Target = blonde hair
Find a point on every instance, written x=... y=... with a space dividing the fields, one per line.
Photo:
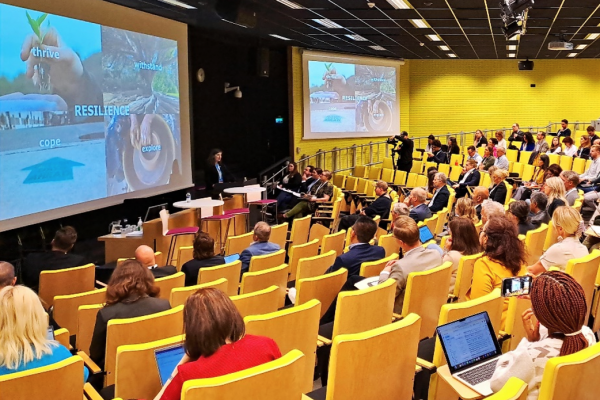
x=557 y=189
x=569 y=219
x=23 y=326
x=466 y=209
x=501 y=173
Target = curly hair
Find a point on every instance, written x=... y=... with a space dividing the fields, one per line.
x=132 y=281
x=503 y=244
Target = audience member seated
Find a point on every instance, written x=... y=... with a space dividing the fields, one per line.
x=474 y=155
x=321 y=191
x=145 y=255
x=528 y=142
x=463 y=241
x=469 y=177
x=130 y=293
x=539 y=175
x=292 y=181
x=431 y=171
x=518 y=212
x=204 y=256
x=215 y=342
x=399 y=209
x=553 y=170
x=57 y=258
x=23 y=333
x=480 y=194
x=541 y=146
x=261 y=245
x=381 y=206
x=488 y=159
x=499 y=136
x=307 y=173
x=590 y=178
x=312 y=178
x=537 y=209
x=494 y=145
x=453 y=146
x=569 y=149
x=480 y=139
x=465 y=208
x=558 y=303
x=503 y=257
x=569 y=227
x=7 y=274
x=429 y=147
x=570 y=180
x=491 y=209
x=585 y=148
x=437 y=155
x=555 y=146
x=419 y=211
x=441 y=194
x=591 y=131
x=554 y=188
x=564 y=130
x=499 y=191
x=516 y=135
x=501 y=160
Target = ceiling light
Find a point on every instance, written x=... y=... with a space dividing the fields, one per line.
x=291 y=4
x=434 y=38
x=512 y=29
x=511 y=47
x=444 y=48
x=279 y=37
x=511 y=55
x=400 y=4
x=571 y=54
x=377 y=48
x=178 y=4
x=591 y=36
x=419 y=23
x=327 y=23
x=358 y=38
x=516 y=37
x=581 y=46
x=451 y=55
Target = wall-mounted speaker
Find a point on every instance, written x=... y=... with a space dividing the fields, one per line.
x=262 y=62
x=525 y=65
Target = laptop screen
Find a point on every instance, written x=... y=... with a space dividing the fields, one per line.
x=231 y=258
x=167 y=360
x=468 y=341
x=425 y=234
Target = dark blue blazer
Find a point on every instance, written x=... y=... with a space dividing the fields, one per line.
x=421 y=212
x=440 y=201
x=357 y=255
x=473 y=179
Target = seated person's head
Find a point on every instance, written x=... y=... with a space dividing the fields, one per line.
x=204 y=246
x=465 y=209
x=480 y=194
x=500 y=151
x=439 y=180
x=262 y=232
x=7 y=274
x=436 y=145
x=491 y=209
x=539 y=201
x=418 y=195
x=400 y=209
x=326 y=175
x=381 y=188
x=406 y=232
x=518 y=211
x=567 y=222
x=364 y=229
x=23 y=326
x=64 y=239
x=570 y=179
x=210 y=320
x=552 y=171
x=145 y=255
x=130 y=281
x=500 y=242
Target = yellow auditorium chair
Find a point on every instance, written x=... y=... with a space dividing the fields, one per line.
x=464 y=277
x=411 y=180
x=300 y=230
x=360 y=171
x=514 y=389
x=230 y=271
x=579 y=165
x=86 y=321
x=387 y=175
x=528 y=171
x=388 y=163
x=534 y=243
x=373 y=268
x=63 y=337
x=417 y=167
x=445 y=168
x=279 y=235
x=267 y=261
x=310 y=267
x=66 y=281
x=65 y=307
x=184 y=254
x=168 y=283
x=389 y=243
x=566 y=162
x=324 y=288
x=524 y=157
x=309 y=249
x=374 y=173
x=180 y=295
x=442 y=220
x=584 y=271
x=513 y=328
x=255 y=281
x=339 y=180
x=400 y=178
x=455 y=159
x=260 y=302
x=512 y=155
x=554 y=158
x=431 y=223
x=421 y=181
x=455 y=173
x=518 y=168
x=237 y=244
x=551 y=236
x=318 y=230
x=334 y=241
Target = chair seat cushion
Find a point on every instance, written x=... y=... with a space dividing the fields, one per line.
x=238 y=211
x=183 y=231
x=268 y=201
x=218 y=217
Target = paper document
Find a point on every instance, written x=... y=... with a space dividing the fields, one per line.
x=367 y=282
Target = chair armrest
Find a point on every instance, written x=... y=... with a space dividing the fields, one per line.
x=502 y=336
x=93 y=367
x=554 y=269
x=90 y=393
x=102 y=284
x=323 y=219
x=418 y=369
x=426 y=364
x=324 y=340
x=397 y=316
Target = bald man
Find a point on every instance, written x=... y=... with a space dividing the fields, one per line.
x=7 y=274
x=419 y=211
x=145 y=255
x=260 y=246
x=480 y=194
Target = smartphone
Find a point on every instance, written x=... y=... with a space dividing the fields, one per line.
x=517 y=286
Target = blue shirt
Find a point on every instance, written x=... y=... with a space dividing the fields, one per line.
x=220 y=173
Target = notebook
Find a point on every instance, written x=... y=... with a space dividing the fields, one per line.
x=231 y=258
x=425 y=234
x=167 y=359
x=472 y=350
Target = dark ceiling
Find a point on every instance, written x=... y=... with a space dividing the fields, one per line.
x=471 y=29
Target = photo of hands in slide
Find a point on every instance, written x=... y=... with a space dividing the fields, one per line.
x=86 y=111
x=352 y=98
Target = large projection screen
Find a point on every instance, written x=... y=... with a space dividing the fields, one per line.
x=94 y=108
x=350 y=96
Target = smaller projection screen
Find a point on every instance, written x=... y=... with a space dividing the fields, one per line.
x=350 y=96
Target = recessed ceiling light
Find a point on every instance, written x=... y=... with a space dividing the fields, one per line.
x=377 y=48
x=358 y=38
x=291 y=4
x=444 y=48
x=279 y=37
x=516 y=37
x=511 y=47
x=581 y=46
x=434 y=38
x=591 y=36
x=178 y=4
x=400 y=4
x=327 y=23
x=419 y=23
x=511 y=55
x=571 y=54
x=451 y=55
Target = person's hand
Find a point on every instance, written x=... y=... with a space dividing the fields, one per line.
x=66 y=71
x=134 y=131
x=388 y=266
x=362 y=212
x=146 y=130
x=531 y=325
x=430 y=154
x=313 y=198
x=455 y=186
x=407 y=200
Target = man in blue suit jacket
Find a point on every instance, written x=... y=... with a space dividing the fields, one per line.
x=261 y=245
x=470 y=177
x=360 y=250
x=416 y=199
x=441 y=194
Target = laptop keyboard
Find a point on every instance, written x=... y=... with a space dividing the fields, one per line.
x=479 y=374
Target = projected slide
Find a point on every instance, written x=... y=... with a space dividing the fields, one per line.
x=86 y=111
x=351 y=99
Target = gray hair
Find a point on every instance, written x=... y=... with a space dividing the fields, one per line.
x=420 y=194
x=262 y=230
x=571 y=176
x=502 y=149
x=540 y=199
x=442 y=177
x=401 y=209
x=492 y=208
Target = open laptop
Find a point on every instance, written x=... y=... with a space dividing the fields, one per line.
x=425 y=234
x=167 y=359
x=472 y=350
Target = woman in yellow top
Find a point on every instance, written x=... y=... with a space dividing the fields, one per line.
x=503 y=257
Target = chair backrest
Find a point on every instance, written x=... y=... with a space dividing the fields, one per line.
x=373 y=268
x=417 y=167
x=310 y=267
x=63 y=380
x=279 y=234
x=292 y=328
x=375 y=173
x=136 y=375
x=324 y=288
x=579 y=165
x=584 y=271
x=359 y=171
x=421 y=181
x=441 y=222
x=572 y=377
x=551 y=236
x=357 y=359
x=334 y=241
x=514 y=322
x=566 y=162
x=180 y=295
x=411 y=179
x=169 y=283
x=387 y=174
x=230 y=271
x=389 y=243
x=260 y=302
x=351 y=183
x=86 y=321
x=237 y=244
x=518 y=167
x=260 y=263
x=339 y=180
x=137 y=330
x=400 y=178
x=464 y=275
x=365 y=309
x=432 y=223
x=300 y=229
x=275 y=380
x=527 y=173
x=513 y=389
x=255 y=281
x=534 y=243
x=318 y=231
x=425 y=293
x=66 y=281
x=65 y=307
x=509 y=190
x=184 y=254
x=309 y=249
x=512 y=155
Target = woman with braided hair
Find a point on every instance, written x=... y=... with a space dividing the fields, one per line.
x=558 y=303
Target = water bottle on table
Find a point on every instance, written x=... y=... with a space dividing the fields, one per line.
x=188 y=197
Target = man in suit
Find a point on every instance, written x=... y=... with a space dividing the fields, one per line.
x=260 y=246
x=57 y=258
x=564 y=130
x=473 y=155
x=7 y=274
x=441 y=194
x=416 y=258
x=416 y=200
x=437 y=156
x=480 y=194
x=516 y=136
x=381 y=206
x=145 y=255
x=469 y=177
x=571 y=180
x=537 y=208
x=591 y=131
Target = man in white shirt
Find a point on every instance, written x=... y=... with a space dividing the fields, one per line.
x=590 y=177
x=469 y=177
x=473 y=155
x=501 y=160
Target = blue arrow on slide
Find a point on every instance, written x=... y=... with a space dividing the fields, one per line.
x=52 y=170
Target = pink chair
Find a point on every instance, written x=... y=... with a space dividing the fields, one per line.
x=240 y=211
x=263 y=204
x=219 y=219
x=174 y=233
